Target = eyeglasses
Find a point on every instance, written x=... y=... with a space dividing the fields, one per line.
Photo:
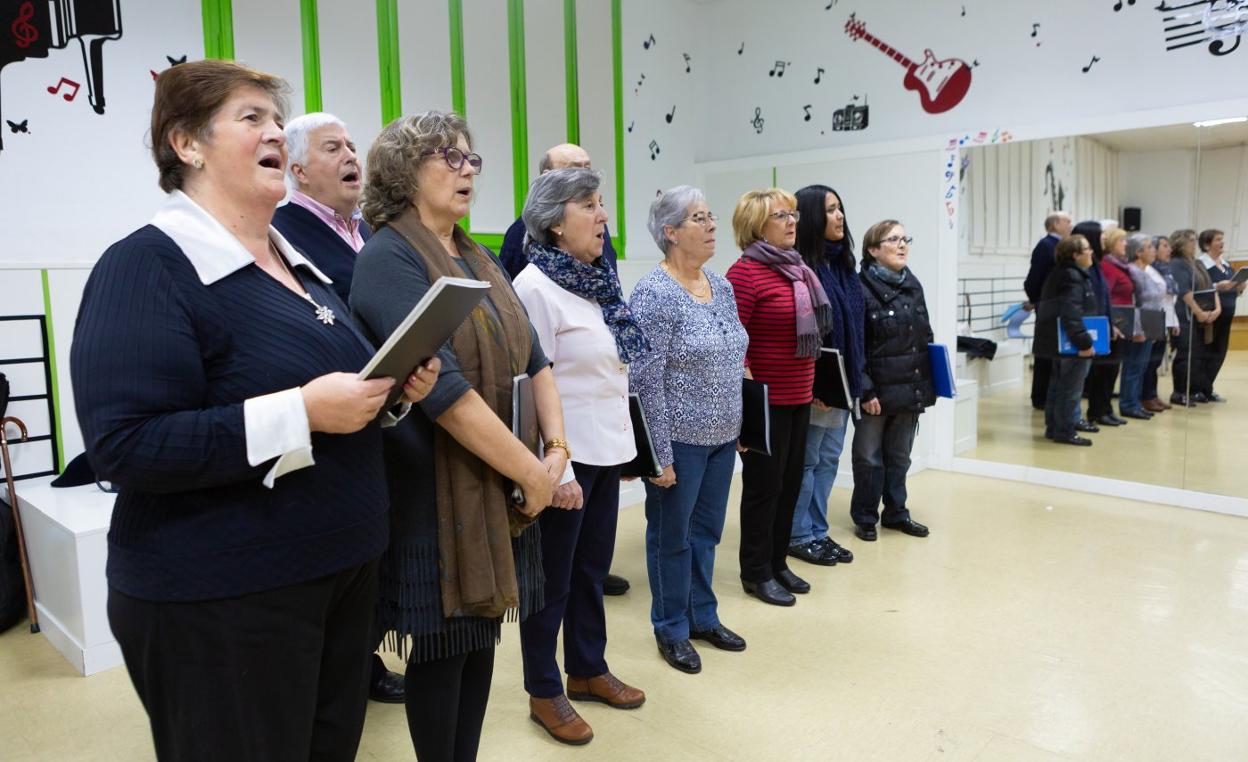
x=455 y=158
x=705 y=219
x=782 y=216
x=899 y=239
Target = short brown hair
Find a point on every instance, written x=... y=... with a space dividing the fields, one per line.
x=187 y=98
x=390 y=184
x=1068 y=249
x=1207 y=236
x=1179 y=240
x=875 y=236
x=751 y=213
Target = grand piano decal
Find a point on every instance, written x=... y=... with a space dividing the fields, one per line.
x=33 y=28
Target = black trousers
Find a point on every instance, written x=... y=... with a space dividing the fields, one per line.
x=1215 y=352
x=769 y=487
x=276 y=675
x=882 y=446
x=1100 y=389
x=446 y=700
x=576 y=555
x=1041 y=372
x=1155 y=358
x=1190 y=351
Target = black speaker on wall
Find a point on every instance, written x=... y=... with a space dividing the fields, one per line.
x=1131 y=218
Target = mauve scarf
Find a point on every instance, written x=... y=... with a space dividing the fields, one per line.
x=813 y=311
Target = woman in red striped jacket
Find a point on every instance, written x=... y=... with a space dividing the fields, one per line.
x=785 y=312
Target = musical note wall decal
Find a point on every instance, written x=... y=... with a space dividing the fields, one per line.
x=630 y=126
x=69 y=96
x=1118 y=5
x=688 y=68
x=757 y=121
x=175 y=61
x=941 y=85
x=654 y=149
x=818 y=75
x=1088 y=68
x=15 y=127
x=852 y=117
x=806 y=108
x=37 y=28
x=778 y=69
x=648 y=42
x=1199 y=22
x=828 y=7
x=671 y=114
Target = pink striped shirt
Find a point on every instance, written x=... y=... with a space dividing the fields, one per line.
x=347 y=230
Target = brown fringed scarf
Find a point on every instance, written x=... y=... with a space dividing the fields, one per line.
x=476 y=520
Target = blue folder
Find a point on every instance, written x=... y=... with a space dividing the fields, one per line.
x=1097 y=327
x=942 y=371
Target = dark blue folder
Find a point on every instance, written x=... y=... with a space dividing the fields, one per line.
x=1097 y=327
x=942 y=371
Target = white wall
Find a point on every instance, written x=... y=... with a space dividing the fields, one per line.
x=1163 y=185
x=1222 y=196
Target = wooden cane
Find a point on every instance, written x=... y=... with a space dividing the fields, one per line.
x=17 y=517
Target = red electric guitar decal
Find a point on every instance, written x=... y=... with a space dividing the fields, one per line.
x=941 y=85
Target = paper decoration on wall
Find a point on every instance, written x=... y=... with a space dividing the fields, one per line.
x=648 y=42
x=15 y=127
x=33 y=29
x=757 y=121
x=941 y=85
x=654 y=149
x=71 y=91
x=1054 y=189
x=852 y=117
x=1215 y=22
x=1088 y=68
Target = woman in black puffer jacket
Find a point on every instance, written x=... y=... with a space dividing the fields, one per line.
x=1067 y=296
x=896 y=382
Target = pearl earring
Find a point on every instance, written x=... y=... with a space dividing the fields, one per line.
x=198 y=163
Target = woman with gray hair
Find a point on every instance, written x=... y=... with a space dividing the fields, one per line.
x=576 y=305
x=1139 y=249
x=461 y=555
x=689 y=384
x=1151 y=293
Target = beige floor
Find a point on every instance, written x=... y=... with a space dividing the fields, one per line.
x=1034 y=624
x=1203 y=448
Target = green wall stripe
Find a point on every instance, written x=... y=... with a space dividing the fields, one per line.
x=459 y=98
x=388 y=60
x=218 y=18
x=617 y=64
x=492 y=241
x=571 y=79
x=311 y=33
x=773 y=177
x=519 y=104
x=56 y=387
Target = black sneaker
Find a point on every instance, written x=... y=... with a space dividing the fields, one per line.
x=812 y=553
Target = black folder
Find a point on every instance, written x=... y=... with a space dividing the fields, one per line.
x=831 y=380
x=1153 y=324
x=755 y=417
x=646 y=464
x=524 y=423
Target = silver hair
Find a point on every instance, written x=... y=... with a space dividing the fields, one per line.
x=671 y=208
x=1136 y=242
x=298 y=134
x=1157 y=239
x=543 y=209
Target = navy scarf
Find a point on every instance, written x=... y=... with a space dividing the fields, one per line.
x=597 y=283
x=844 y=291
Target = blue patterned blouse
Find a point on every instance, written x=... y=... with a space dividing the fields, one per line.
x=690 y=380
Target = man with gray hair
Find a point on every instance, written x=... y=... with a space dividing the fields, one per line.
x=512 y=255
x=322 y=218
x=1056 y=226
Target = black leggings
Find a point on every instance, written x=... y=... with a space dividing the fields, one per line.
x=446 y=701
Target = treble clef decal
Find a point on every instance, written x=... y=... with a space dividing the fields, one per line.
x=24 y=32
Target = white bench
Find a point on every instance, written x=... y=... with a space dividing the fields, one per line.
x=1003 y=372
x=67 y=543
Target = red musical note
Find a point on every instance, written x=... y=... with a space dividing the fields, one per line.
x=24 y=32
x=66 y=81
x=154 y=74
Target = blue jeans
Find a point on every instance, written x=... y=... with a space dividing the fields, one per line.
x=1132 y=383
x=823 y=457
x=1061 y=407
x=882 y=445
x=683 y=525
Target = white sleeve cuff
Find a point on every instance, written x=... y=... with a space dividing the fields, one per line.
x=277 y=427
x=389 y=418
x=568 y=474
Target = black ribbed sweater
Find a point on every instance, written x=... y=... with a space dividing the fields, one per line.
x=161 y=365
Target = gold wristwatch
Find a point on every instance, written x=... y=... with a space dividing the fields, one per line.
x=559 y=444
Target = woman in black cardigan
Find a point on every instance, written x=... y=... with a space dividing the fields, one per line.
x=896 y=382
x=1067 y=296
x=210 y=361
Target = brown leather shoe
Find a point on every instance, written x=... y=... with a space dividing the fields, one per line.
x=607 y=689
x=557 y=717
x=1154 y=405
